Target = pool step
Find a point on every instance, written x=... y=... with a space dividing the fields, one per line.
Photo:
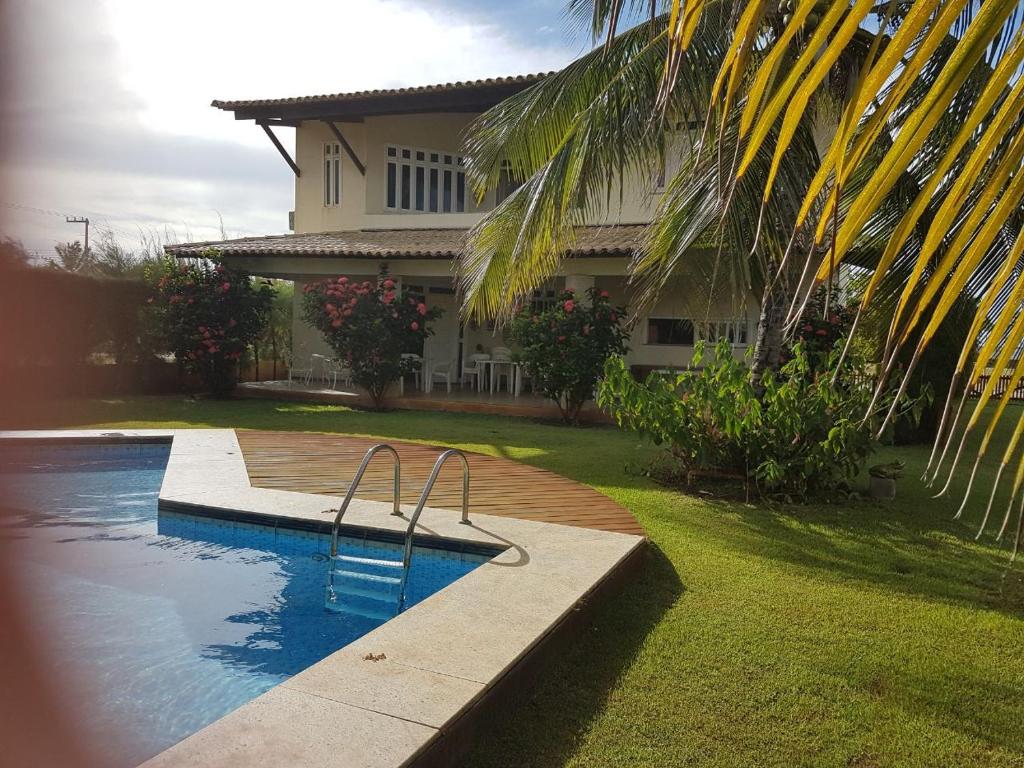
x=369 y=565
x=364 y=586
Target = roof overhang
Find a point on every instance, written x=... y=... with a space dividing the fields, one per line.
x=472 y=96
x=591 y=241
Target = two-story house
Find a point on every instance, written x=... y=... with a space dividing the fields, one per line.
x=380 y=177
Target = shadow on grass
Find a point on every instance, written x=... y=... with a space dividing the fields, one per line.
x=908 y=551
x=574 y=687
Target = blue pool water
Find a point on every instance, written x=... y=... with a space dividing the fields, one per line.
x=161 y=623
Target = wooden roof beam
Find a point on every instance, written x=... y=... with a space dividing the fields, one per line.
x=347 y=147
x=280 y=148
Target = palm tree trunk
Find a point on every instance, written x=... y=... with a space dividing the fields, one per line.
x=770 y=339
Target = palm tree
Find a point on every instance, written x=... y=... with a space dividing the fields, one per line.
x=918 y=182
x=967 y=215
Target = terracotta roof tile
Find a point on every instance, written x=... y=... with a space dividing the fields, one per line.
x=465 y=85
x=399 y=243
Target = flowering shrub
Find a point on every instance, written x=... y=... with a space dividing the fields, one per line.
x=802 y=435
x=818 y=333
x=369 y=326
x=210 y=315
x=564 y=348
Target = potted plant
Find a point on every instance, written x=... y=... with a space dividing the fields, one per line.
x=883 y=479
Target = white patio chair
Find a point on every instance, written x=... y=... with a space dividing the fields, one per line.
x=295 y=373
x=443 y=372
x=473 y=369
x=321 y=368
x=338 y=371
x=417 y=376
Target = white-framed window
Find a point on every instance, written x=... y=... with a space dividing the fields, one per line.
x=332 y=174
x=736 y=331
x=424 y=181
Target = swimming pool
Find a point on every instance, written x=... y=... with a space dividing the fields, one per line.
x=163 y=622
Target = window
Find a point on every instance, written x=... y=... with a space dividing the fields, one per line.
x=735 y=331
x=424 y=181
x=507 y=184
x=672 y=331
x=679 y=331
x=542 y=300
x=332 y=174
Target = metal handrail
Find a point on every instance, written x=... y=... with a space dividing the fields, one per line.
x=407 y=555
x=355 y=482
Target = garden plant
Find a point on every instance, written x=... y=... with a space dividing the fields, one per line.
x=565 y=346
x=370 y=326
x=210 y=315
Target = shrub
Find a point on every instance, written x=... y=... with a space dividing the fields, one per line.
x=802 y=435
x=564 y=348
x=369 y=327
x=210 y=315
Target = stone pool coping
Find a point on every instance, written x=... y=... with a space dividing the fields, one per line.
x=441 y=657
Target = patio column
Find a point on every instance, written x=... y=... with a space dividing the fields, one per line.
x=580 y=284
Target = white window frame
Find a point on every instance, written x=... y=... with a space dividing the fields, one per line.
x=430 y=162
x=736 y=329
x=332 y=174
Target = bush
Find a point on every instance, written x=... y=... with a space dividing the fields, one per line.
x=210 y=315
x=564 y=348
x=369 y=327
x=801 y=436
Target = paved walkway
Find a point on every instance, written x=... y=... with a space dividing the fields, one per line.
x=325 y=463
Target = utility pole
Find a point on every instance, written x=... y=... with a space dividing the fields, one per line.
x=81 y=220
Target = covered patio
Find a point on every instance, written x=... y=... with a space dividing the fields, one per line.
x=464 y=366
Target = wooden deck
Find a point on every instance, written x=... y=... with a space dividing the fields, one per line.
x=322 y=463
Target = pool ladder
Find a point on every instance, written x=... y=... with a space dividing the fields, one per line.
x=373 y=587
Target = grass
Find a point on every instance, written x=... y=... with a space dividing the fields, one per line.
x=855 y=634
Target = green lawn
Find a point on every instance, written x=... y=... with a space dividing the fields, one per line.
x=849 y=635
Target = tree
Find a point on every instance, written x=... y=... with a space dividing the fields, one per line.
x=71 y=257
x=13 y=253
x=369 y=327
x=565 y=346
x=210 y=315
x=918 y=182
x=966 y=215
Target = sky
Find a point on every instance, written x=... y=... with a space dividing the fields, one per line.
x=105 y=103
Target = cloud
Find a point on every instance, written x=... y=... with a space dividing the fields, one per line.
x=106 y=111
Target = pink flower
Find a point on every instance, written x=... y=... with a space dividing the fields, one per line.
x=225 y=286
x=561 y=338
x=570 y=290
x=605 y=294
x=421 y=308
x=336 y=323
x=330 y=307
x=342 y=280
x=389 y=297
x=821 y=332
x=389 y=284
x=414 y=325
x=614 y=317
x=808 y=327
x=569 y=305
